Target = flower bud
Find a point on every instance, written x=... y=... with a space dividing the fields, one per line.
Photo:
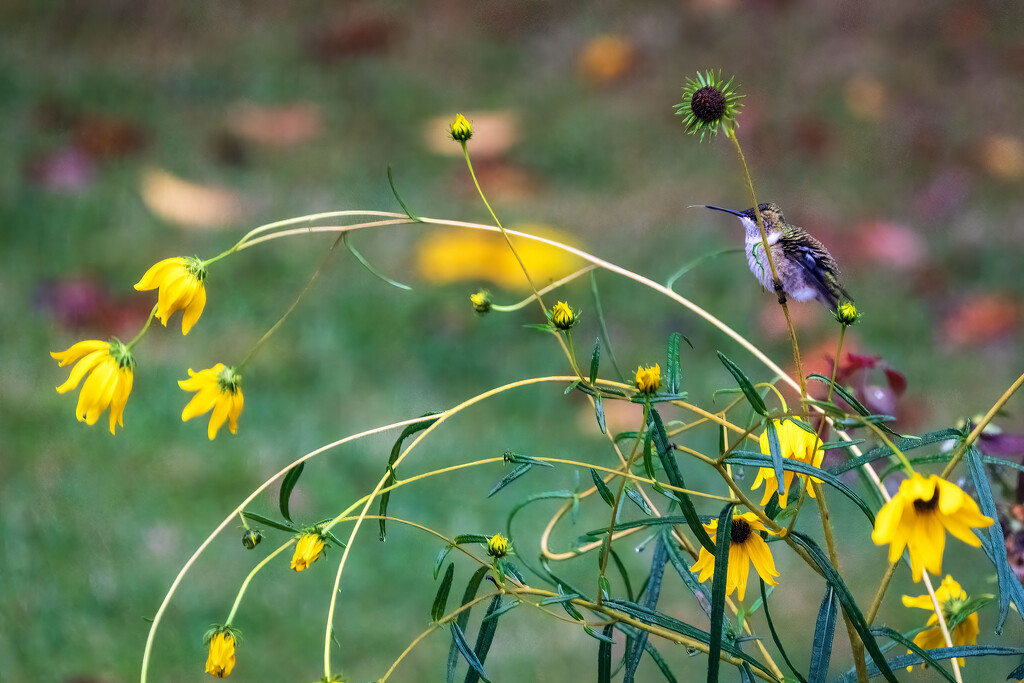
x=847 y=313
x=562 y=316
x=481 y=302
x=497 y=546
x=648 y=379
x=251 y=538
x=460 y=129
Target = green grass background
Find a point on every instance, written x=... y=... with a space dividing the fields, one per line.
x=94 y=527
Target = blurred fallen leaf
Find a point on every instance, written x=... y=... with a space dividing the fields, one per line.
x=981 y=319
x=66 y=170
x=187 y=204
x=353 y=37
x=1002 y=156
x=104 y=137
x=494 y=133
x=79 y=302
x=865 y=97
x=461 y=254
x=281 y=126
x=606 y=59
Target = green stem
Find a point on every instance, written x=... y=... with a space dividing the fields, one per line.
x=266 y=335
x=869 y=616
x=145 y=328
x=978 y=428
x=248 y=579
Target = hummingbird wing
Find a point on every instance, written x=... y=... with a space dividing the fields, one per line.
x=819 y=268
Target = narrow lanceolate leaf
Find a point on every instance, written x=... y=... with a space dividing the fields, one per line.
x=940 y=654
x=756 y=402
x=510 y=457
x=851 y=400
x=485 y=637
x=775 y=635
x=599 y=413
x=439 y=562
x=658 y=561
x=396 y=450
x=849 y=604
x=680 y=564
x=602 y=488
x=463 y=618
x=723 y=539
x=511 y=477
x=347 y=239
x=904 y=444
x=437 y=610
x=672 y=364
x=398 y=197
x=910 y=645
x=775 y=450
x=638 y=500
x=675 y=477
x=993 y=543
x=595 y=360
x=291 y=478
x=824 y=633
x=267 y=521
x=462 y=645
x=604 y=655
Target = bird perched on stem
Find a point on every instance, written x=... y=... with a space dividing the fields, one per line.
x=805 y=268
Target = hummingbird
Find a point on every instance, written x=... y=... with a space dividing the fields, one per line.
x=805 y=268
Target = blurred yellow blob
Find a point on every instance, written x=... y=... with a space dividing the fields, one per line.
x=459 y=254
x=606 y=59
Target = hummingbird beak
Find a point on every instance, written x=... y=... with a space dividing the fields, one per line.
x=718 y=208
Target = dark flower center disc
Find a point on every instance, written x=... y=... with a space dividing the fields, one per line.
x=740 y=531
x=923 y=506
x=707 y=104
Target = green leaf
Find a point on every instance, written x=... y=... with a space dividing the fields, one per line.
x=287 y=484
x=672 y=364
x=938 y=654
x=723 y=538
x=599 y=412
x=463 y=618
x=637 y=499
x=346 y=237
x=651 y=595
x=905 y=444
x=511 y=477
x=507 y=607
x=602 y=488
x=595 y=361
x=681 y=565
x=511 y=457
x=398 y=197
x=471 y=538
x=853 y=612
x=437 y=610
x=656 y=656
x=775 y=450
x=824 y=635
x=622 y=572
x=604 y=655
x=462 y=645
x=484 y=638
x=756 y=402
x=441 y=558
x=267 y=521
x=632 y=524
x=761 y=460
x=675 y=477
x=396 y=450
x=993 y=543
x=775 y=635
x=908 y=643
x=850 y=399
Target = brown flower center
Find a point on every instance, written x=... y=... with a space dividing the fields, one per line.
x=740 y=531
x=924 y=506
x=707 y=104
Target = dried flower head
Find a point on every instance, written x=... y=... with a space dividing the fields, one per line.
x=707 y=102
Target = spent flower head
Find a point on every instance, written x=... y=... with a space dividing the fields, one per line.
x=497 y=546
x=181 y=281
x=308 y=550
x=218 y=389
x=708 y=102
x=461 y=130
x=481 y=301
x=918 y=517
x=107 y=368
x=648 y=379
x=745 y=547
x=562 y=316
x=251 y=538
x=847 y=313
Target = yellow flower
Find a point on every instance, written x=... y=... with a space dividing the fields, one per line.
x=648 y=379
x=952 y=599
x=795 y=443
x=109 y=367
x=918 y=517
x=221 y=659
x=181 y=283
x=562 y=316
x=745 y=546
x=497 y=546
x=481 y=301
x=460 y=129
x=307 y=551
x=219 y=388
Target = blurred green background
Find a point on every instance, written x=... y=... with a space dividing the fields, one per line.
x=137 y=130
